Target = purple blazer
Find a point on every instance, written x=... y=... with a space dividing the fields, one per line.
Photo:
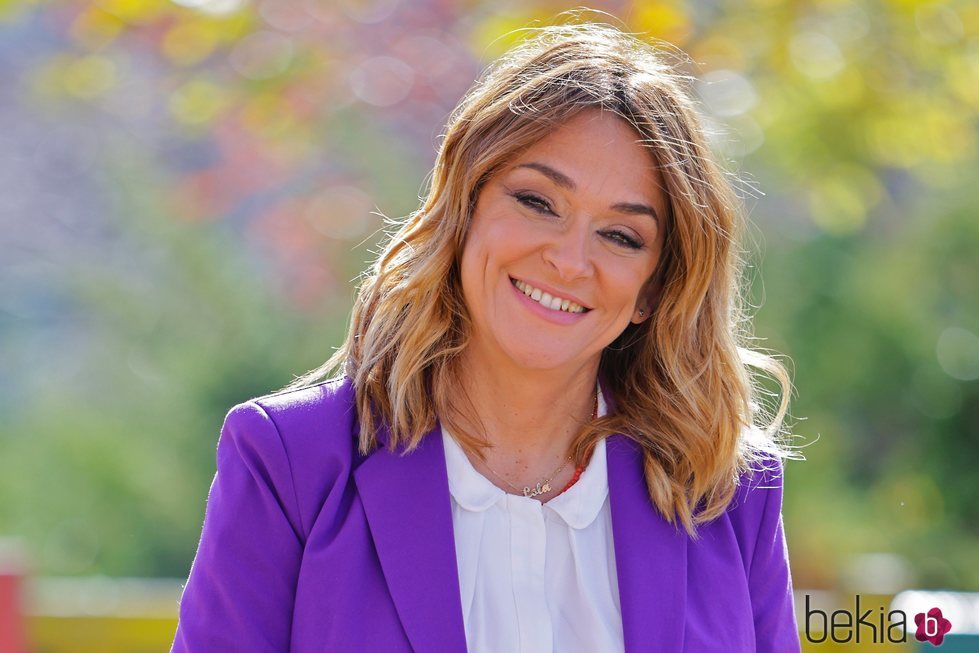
x=309 y=546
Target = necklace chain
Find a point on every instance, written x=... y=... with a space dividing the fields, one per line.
x=543 y=486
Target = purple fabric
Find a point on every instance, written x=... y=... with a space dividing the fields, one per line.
x=308 y=546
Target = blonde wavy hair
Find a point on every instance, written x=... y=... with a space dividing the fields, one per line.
x=685 y=385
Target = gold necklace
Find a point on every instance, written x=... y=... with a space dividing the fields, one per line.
x=543 y=486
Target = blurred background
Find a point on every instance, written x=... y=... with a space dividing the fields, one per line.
x=189 y=189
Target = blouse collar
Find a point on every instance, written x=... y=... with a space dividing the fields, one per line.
x=578 y=506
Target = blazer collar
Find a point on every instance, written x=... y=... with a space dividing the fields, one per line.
x=650 y=556
x=650 y=553
x=406 y=499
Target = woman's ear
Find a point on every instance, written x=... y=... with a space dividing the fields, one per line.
x=648 y=300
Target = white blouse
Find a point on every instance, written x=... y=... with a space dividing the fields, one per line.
x=535 y=577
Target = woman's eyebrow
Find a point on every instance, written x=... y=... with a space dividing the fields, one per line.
x=567 y=183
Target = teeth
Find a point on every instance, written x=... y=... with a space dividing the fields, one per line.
x=548 y=300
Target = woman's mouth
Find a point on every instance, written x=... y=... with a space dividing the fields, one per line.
x=547 y=300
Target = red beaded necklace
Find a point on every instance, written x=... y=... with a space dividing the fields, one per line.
x=580 y=468
x=574 y=478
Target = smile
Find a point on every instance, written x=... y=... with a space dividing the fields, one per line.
x=547 y=300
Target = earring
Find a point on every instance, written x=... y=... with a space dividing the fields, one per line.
x=642 y=312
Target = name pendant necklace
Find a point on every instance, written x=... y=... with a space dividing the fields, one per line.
x=544 y=486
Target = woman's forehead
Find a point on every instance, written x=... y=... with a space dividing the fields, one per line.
x=595 y=152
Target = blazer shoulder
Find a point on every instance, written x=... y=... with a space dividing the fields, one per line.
x=315 y=418
x=291 y=414
x=762 y=481
x=329 y=398
x=763 y=473
x=318 y=430
x=756 y=509
x=766 y=472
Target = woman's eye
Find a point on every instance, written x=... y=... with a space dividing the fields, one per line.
x=533 y=202
x=540 y=205
x=622 y=238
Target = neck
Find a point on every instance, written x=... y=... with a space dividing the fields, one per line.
x=528 y=417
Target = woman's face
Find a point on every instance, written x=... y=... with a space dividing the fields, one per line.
x=576 y=223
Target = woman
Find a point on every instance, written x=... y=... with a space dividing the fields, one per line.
x=544 y=433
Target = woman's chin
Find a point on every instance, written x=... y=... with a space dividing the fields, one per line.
x=543 y=358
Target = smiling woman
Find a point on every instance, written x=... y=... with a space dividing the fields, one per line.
x=543 y=435
x=553 y=222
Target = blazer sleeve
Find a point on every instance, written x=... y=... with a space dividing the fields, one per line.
x=769 y=578
x=241 y=590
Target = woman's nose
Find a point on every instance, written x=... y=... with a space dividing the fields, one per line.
x=568 y=253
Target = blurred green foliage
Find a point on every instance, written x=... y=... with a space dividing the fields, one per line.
x=191 y=189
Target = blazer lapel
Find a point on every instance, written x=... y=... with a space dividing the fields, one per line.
x=409 y=512
x=650 y=557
